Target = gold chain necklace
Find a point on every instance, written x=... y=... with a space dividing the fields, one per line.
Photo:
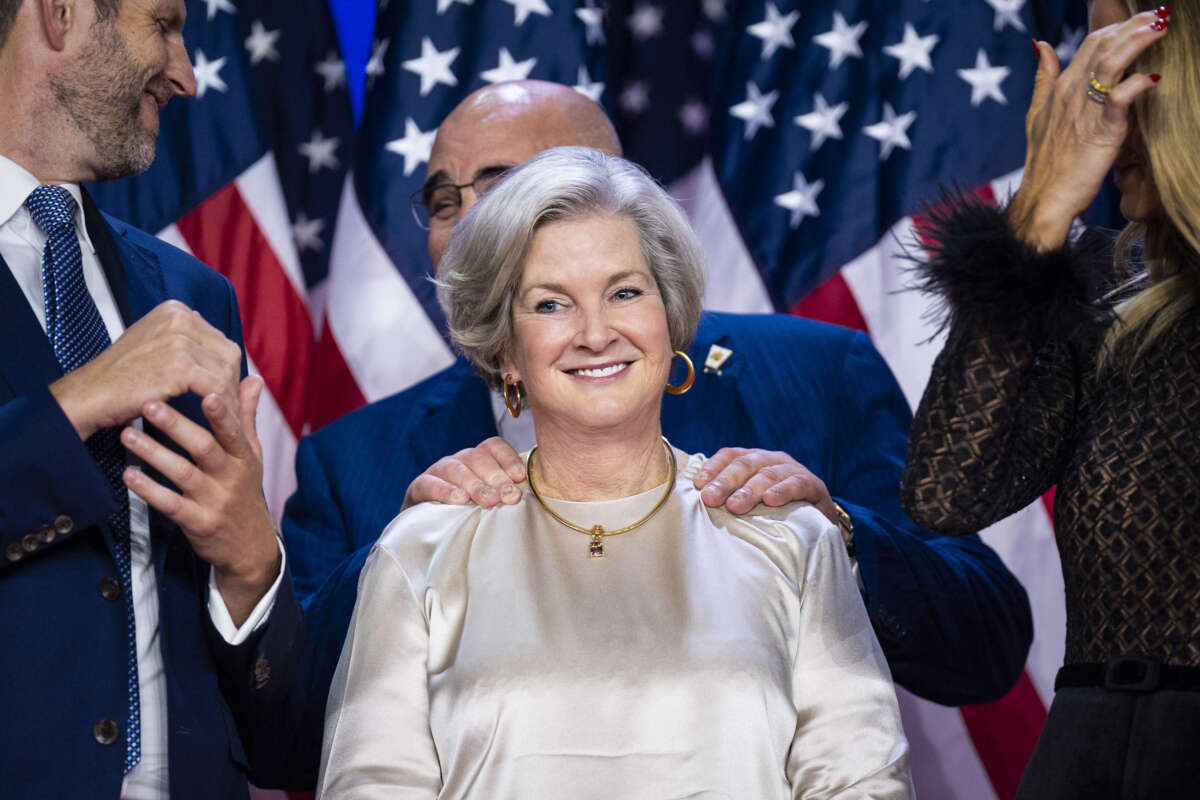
x=597 y=532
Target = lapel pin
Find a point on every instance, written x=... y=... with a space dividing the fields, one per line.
x=717 y=356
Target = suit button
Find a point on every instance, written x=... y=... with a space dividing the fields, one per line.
x=14 y=552
x=63 y=525
x=106 y=731
x=110 y=589
x=30 y=542
x=47 y=533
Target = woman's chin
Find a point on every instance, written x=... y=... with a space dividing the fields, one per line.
x=1140 y=211
x=599 y=417
x=1130 y=207
x=1139 y=198
x=599 y=414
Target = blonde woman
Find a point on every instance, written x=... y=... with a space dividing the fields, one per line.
x=609 y=636
x=1065 y=366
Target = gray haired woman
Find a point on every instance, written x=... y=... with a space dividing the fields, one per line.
x=610 y=636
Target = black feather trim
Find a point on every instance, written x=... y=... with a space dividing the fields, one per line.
x=987 y=277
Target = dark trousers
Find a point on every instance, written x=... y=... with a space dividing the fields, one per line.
x=1099 y=744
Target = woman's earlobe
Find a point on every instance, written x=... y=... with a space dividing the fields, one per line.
x=506 y=367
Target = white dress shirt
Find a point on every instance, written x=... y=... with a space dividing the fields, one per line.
x=21 y=245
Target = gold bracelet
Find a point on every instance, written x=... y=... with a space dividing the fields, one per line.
x=846 y=525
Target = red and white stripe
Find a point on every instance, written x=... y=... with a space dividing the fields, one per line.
x=376 y=339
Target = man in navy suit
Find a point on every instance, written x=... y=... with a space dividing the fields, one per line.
x=954 y=622
x=142 y=605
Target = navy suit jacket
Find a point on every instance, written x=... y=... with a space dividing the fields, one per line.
x=953 y=621
x=63 y=659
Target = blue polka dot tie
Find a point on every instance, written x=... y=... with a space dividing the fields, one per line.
x=78 y=335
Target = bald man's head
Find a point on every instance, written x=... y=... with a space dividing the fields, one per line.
x=501 y=126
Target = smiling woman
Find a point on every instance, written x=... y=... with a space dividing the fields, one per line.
x=603 y=637
x=599 y=280
x=481 y=276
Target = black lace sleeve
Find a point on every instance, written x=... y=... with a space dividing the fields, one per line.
x=1001 y=407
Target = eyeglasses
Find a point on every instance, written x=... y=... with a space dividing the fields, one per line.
x=439 y=205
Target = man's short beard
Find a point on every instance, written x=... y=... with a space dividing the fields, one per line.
x=102 y=93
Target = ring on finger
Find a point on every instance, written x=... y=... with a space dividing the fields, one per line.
x=1095 y=85
x=1095 y=96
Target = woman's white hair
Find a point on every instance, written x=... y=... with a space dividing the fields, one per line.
x=480 y=273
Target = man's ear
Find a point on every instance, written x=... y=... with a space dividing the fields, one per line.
x=56 y=18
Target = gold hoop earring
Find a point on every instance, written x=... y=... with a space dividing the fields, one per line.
x=680 y=388
x=514 y=407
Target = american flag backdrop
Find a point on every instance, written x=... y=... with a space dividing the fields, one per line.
x=802 y=137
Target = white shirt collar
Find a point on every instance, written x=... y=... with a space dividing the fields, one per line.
x=16 y=183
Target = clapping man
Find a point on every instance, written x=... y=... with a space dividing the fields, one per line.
x=132 y=596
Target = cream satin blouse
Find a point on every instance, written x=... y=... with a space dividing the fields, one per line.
x=705 y=656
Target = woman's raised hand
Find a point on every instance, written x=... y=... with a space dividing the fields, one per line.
x=1077 y=121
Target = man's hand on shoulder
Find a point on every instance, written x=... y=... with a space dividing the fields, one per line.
x=219 y=504
x=485 y=475
x=734 y=477
x=740 y=479
x=167 y=353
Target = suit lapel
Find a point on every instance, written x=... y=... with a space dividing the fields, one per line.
x=106 y=253
x=465 y=401
x=134 y=274
x=136 y=280
x=27 y=361
x=714 y=413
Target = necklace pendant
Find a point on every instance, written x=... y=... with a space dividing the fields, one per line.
x=596 y=548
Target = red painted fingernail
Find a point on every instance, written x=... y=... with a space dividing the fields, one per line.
x=1160 y=24
x=1163 y=11
x=1037 y=54
x=1154 y=76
